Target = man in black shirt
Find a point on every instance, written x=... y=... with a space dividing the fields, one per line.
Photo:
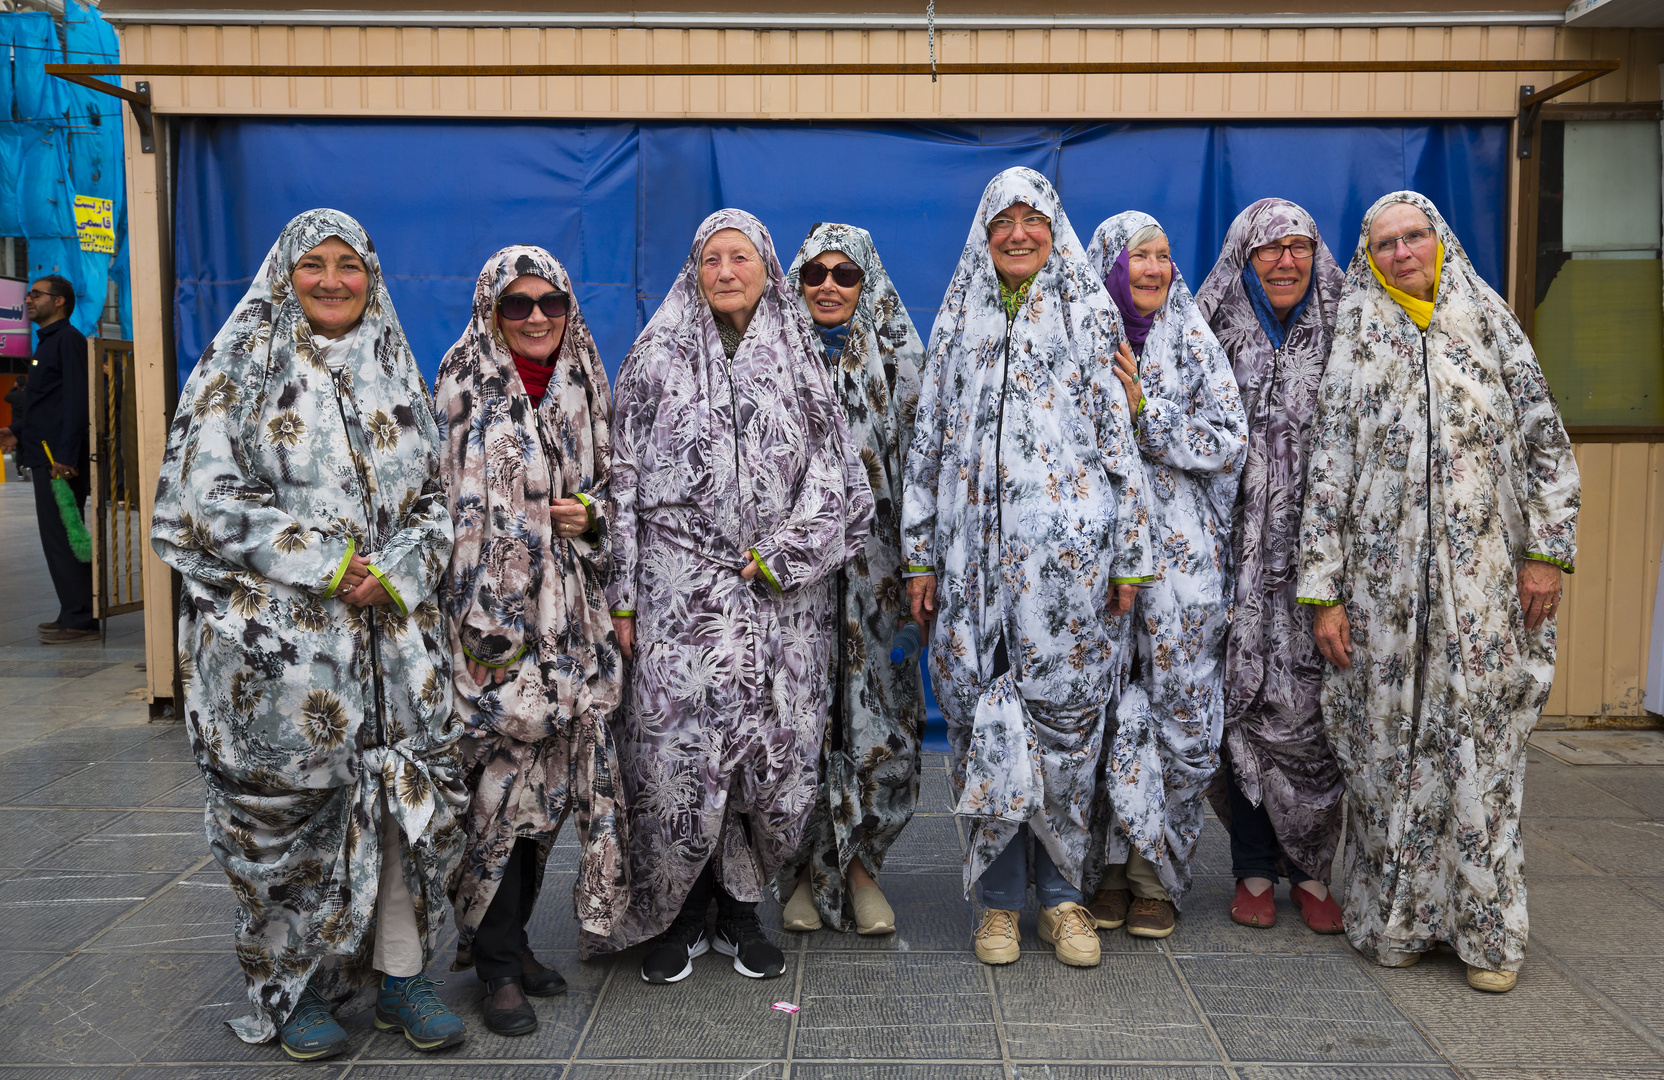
x=56 y=414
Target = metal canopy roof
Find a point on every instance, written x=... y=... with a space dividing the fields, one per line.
x=1597 y=13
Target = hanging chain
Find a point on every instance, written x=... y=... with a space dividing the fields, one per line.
x=930 y=27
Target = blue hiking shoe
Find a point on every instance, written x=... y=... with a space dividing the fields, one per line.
x=311 y=1032
x=413 y=1006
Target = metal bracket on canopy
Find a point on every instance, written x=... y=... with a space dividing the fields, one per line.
x=138 y=98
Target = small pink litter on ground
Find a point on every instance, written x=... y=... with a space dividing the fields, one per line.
x=785 y=1006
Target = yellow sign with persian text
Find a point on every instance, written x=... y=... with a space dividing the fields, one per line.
x=95 y=222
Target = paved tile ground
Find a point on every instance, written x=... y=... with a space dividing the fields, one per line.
x=115 y=948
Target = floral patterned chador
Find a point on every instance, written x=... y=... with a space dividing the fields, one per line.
x=1273 y=672
x=1440 y=465
x=1024 y=494
x=307 y=716
x=521 y=598
x=869 y=773
x=1191 y=433
x=717 y=460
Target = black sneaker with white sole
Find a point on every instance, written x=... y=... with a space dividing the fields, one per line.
x=755 y=956
x=670 y=955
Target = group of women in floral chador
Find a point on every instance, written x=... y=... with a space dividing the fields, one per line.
x=1292 y=544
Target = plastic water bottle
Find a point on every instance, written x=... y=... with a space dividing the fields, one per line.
x=904 y=647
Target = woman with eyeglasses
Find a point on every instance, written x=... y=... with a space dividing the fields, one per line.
x=1271 y=301
x=1191 y=433
x=869 y=759
x=300 y=501
x=1025 y=519
x=524 y=404
x=739 y=495
x=1441 y=511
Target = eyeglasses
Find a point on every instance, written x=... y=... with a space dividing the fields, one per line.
x=1414 y=238
x=1003 y=226
x=36 y=294
x=516 y=306
x=846 y=275
x=1273 y=253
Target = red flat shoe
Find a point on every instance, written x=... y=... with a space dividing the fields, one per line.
x=1251 y=910
x=1323 y=916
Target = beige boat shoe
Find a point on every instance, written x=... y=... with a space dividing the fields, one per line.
x=996 y=940
x=1072 y=933
x=800 y=914
x=873 y=914
x=1492 y=982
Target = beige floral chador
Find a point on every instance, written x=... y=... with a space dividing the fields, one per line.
x=1440 y=464
x=520 y=598
x=287 y=455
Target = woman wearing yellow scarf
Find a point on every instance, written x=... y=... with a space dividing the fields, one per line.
x=1441 y=510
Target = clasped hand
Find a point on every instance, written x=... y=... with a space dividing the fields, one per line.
x=359 y=587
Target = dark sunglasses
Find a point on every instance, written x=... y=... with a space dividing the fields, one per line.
x=846 y=274
x=516 y=306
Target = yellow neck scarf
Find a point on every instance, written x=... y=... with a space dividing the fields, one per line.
x=1420 y=311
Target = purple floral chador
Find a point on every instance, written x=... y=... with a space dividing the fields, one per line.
x=714 y=461
x=1440 y=464
x=1273 y=672
x=522 y=598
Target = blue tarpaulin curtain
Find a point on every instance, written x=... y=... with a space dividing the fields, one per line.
x=618 y=203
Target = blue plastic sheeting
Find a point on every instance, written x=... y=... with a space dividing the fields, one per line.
x=34 y=42
x=618 y=203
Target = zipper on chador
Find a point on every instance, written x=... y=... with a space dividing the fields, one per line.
x=360 y=456
x=1013 y=657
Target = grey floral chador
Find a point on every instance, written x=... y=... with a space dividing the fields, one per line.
x=869 y=767
x=1024 y=494
x=287 y=455
x=1273 y=672
x=1440 y=465
x=717 y=461
x=1191 y=433
x=521 y=598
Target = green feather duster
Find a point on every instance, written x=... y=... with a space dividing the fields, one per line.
x=69 y=509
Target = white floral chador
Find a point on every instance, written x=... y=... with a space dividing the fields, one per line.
x=1440 y=466
x=1191 y=434
x=285 y=458
x=1025 y=497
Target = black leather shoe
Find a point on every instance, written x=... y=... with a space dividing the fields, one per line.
x=537 y=980
x=520 y=1020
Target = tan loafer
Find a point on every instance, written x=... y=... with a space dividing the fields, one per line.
x=800 y=914
x=1151 y=918
x=996 y=939
x=1072 y=932
x=1492 y=982
x=873 y=914
x=1109 y=908
x=1410 y=960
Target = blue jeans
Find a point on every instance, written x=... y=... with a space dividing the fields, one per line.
x=1004 y=884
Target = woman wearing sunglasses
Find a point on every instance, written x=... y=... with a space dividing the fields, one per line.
x=1271 y=301
x=869 y=759
x=524 y=403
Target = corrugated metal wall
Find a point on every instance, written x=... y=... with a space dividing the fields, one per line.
x=1606 y=616
x=878 y=96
